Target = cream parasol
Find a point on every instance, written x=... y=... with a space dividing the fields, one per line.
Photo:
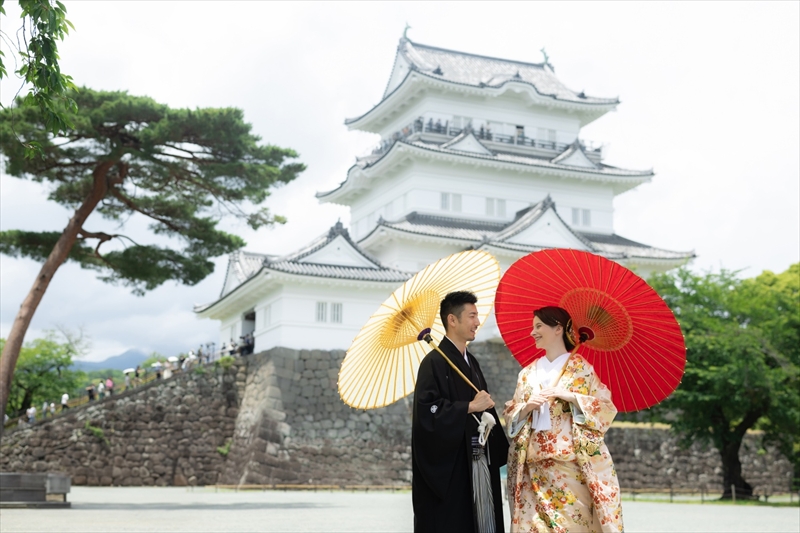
x=381 y=365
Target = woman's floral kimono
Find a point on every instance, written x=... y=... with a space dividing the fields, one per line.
x=563 y=480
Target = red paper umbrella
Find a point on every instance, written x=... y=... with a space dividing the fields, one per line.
x=636 y=345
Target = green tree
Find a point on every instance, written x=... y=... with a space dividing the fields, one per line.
x=742 y=362
x=184 y=170
x=44 y=23
x=43 y=374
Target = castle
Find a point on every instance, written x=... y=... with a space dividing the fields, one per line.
x=475 y=153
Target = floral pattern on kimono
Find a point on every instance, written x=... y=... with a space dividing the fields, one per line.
x=563 y=479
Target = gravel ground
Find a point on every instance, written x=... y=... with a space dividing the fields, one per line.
x=179 y=509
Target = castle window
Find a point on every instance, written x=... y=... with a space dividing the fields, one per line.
x=495 y=207
x=322 y=311
x=267 y=320
x=587 y=217
x=451 y=202
x=576 y=216
x=336 y=313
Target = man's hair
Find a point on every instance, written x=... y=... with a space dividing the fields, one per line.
x=453 y=304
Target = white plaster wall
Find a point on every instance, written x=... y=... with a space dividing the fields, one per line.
x=293 y=313
x=410 y=255
x=418 y=187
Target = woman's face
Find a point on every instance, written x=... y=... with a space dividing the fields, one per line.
x=544 y=335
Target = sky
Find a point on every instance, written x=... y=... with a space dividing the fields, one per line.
x=709 y=100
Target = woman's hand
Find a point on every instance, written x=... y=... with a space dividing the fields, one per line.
x=533 y=403
x=562 y=394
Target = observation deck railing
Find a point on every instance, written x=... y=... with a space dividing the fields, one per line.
x=483 y=133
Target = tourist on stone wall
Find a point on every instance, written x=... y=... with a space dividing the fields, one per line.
x=64 y=400
x=560 y=474
x=90 y=392
x=44 y=409
x=52 y=409
x=452 y=437
x=127 y=381
x=31 y=412
x=110 y=386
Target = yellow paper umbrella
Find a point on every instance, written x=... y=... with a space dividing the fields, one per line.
x=381 y=365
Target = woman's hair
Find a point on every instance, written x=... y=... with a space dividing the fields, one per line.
x=556 y=316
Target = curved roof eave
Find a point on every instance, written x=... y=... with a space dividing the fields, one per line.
x=578 y=172
x=381 y=225
x=494 y=90
x=203 y=310
x=575 y=172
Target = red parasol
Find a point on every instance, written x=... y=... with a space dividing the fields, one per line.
x=636 y=345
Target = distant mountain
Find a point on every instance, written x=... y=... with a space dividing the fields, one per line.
x=129 y=359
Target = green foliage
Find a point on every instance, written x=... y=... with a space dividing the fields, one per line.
x=199 y=370
x=97 y=432
x=44 y=23
x=743 y=358
x=42 y=373
x=96 y=376
x=225 y=450
x=226 y=361
x=185 y=170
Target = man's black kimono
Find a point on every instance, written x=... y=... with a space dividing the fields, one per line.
x=441 y=445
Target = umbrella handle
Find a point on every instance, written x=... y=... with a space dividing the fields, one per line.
x=427 y=338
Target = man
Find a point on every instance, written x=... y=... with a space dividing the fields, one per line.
x=64 y=401
x=444 y=431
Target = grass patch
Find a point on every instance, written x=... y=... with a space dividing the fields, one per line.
x=226 y=361
x=199 y=370
x=225 y=449
x=97 y=432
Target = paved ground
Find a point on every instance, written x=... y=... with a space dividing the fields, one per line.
x=177 y=509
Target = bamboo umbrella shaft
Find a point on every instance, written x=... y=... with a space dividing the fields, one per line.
x=429 y=340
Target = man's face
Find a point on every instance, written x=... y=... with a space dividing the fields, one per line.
x=464 y=326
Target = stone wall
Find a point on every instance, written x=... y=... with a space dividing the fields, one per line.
x=163 y=433
x=281 y=411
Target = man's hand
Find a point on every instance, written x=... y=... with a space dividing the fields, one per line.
x=481 y=402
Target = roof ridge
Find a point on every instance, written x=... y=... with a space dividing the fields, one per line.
x=440 y=49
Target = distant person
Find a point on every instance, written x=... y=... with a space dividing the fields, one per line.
x=101 y=390
x=127 y=381
x=110 y=386
x=64 y=400
x=32 y=415
x=52 y=409
x=90 y=392
x=44 y=409
x=137 y=374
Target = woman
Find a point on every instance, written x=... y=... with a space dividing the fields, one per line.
x=560 y=475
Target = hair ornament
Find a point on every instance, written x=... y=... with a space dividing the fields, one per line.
x=568 y=331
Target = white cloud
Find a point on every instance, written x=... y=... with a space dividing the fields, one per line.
x=708 y=90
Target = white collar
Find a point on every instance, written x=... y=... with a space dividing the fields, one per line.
x=546 y=364
x=454 y=344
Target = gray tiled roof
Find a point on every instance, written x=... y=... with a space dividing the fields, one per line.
x=615 y=244
x=483 y=71
x=340 y=272
x=497 y=234
x=601 y=169
x=245 y=265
